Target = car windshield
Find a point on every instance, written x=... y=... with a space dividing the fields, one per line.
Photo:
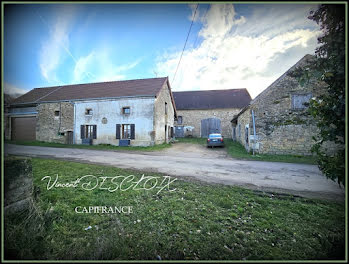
x=214 y=136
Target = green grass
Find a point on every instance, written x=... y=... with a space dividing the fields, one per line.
x=193 y=140
x=98 y=147
x=195 y=222
x=236 y=150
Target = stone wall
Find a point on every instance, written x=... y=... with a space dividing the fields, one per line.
x=278 y=134
x=160 y=118
x=194 y=117
x=52 y=128
x=240 y=129
x=281 y=128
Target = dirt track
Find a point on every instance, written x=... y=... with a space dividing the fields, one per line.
x=210 y=165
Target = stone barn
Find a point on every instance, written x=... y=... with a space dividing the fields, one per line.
x=277 y=120
x=202 y=112
x=133 y=112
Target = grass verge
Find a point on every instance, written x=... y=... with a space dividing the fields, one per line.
x=236 y=150
x=97 y=147
x=197 y=221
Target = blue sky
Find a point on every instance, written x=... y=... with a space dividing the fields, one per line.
x=230 y=46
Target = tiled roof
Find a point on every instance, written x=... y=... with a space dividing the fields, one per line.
x=211 y=99
x=128 y=88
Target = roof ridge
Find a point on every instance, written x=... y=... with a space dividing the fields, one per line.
x=259 y=96
x=305 y=57
x=112 y=89
x=45 y=87
x=210 y=90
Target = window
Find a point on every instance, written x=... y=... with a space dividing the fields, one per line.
x=166 y=108
x=179 y=120
x=88 y=111
x=126 y=110
x=300 y=101
x=88 y=131
x=126 y=131
x=56 y=113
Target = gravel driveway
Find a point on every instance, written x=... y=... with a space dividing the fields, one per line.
x=210 y=165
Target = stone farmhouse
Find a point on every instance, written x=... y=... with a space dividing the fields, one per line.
x=210 y=111
x=133 y=112
x=277 y=120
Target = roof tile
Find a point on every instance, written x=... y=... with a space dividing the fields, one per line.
x=211 y=99
x=138 y=87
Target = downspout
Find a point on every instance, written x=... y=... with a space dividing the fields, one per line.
x=74 y=123
x=254 y=131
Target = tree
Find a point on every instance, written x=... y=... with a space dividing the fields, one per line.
x=328 y=109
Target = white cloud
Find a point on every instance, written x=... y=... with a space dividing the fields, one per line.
x=98 y=67
x=274 y=19
x=242 y=51
x=55 y=49
x=12 y=89
x=219 y=20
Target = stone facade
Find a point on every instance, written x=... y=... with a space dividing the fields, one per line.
x=283 y=124
x=148 y=115
x=162 y=119
x=193 y=118
x=239 y=131
x=107 y=113
x=53 y=122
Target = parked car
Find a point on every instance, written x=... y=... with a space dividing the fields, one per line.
x=215 y=140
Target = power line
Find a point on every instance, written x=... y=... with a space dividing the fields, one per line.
x=185 y=43
x=197 y=36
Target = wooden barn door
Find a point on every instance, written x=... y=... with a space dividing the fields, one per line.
x=209 y=126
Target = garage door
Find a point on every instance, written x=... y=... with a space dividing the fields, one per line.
x=23 y=128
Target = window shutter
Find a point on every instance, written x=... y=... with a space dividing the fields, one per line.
x=132 y=131
x=94 y=131
x=82 y=131
x=118 y=131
